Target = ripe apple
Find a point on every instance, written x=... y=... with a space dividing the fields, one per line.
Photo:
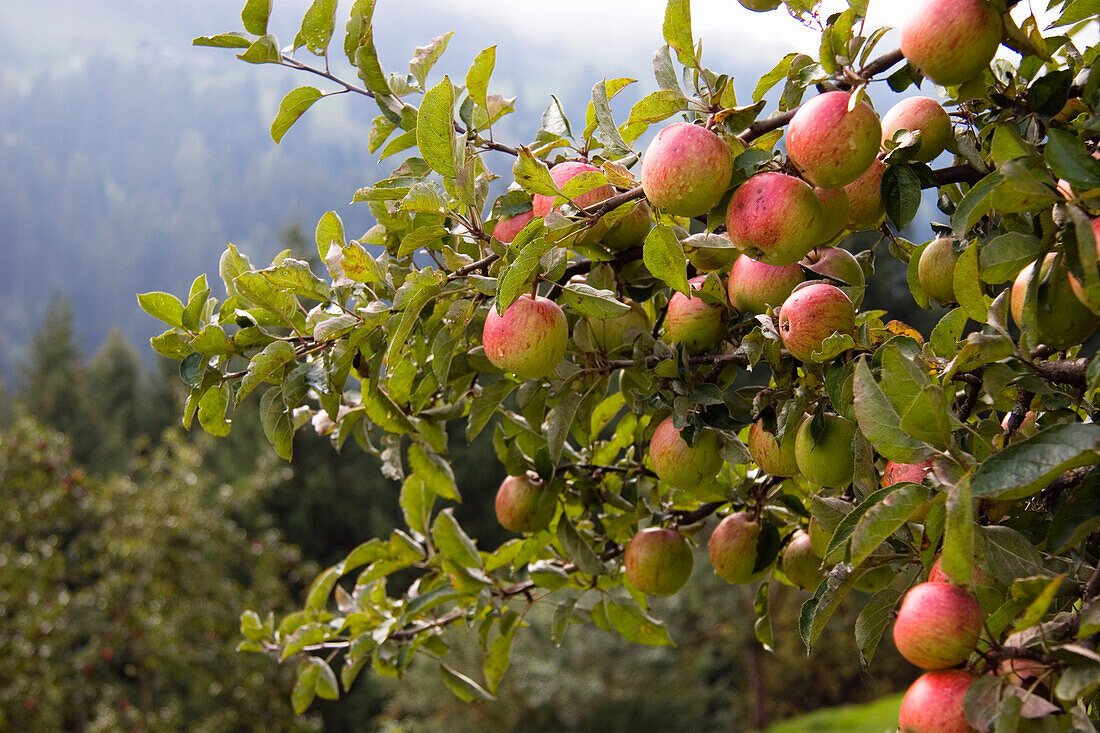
x=611 y=333
x=951 y=41
x=831 y=145
x=686 y=169
x=1078 y=288
x=799 y=563
x=897 y=472
x=732 y=547
x=754 y=285
x=658 y=561
x=774 y=218
x=562 y=173
x=936 y=270
x=923 y=115
x=507 y=228
x=839 y=264
x=934 y=703
x=827 y=460
x=684 y=466
x=631 y=230
x=696 y=324
x=866 y=210
x=760 y=6
x=811 y=314
x=1062 y=320
x=529 y=340
x=769 y=455
x=938 y=625
x=834 y=212
x=524 y=505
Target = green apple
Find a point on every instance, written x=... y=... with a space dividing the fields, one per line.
x=865 y=207
x=936 y=270
x=799 y=563
x=826 y=460
x=658 y=561
x=610 y=333
x=834 y=212
x=1062 y=320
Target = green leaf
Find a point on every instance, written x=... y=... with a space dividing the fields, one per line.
x=264 y=50
x=1077 y=518
x=532 y=174
x=664 y=257
x=477 y=78
x=305 y=687
x=1026 y=467
x=958 y=539
x=1009 y=555
x=968 y=286
x=879 y=421
x=517 y=276
x=633 y=624
x=294 y=276
x=291 y=108
x=601 y=106
x=464 y=688
x=777 y=74
x=485 y=405
x=435 y=471
x=1068 y=158
x=660 y=105
x=677 y=31
x=901 y=194
x=212 y=410
x=264 y=367
x=560 y=422
x=588 y=301
x=913 y=277
x=416 y=503
x=946 y=333
x=975 y=204
x=359 y=266
x=435 y=132
x=255 y=15
x=275 y=421
x=1075 y=11
x=846 y=524
x=817 y=611
x=421 y=237
x=1003 y=257
x=498 y=658
x=235 y=39
x=872 y=621
x=1040 y=605
x=424 y=57
x=453 y=542
x=254 y=288
x=884 y=518
x=163 y=306
x=317 y=26
x=172 y=345
x=578 y=550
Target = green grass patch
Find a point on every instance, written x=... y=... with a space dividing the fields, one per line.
x=873 y=717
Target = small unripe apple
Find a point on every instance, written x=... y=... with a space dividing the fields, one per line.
x=691 y=321
x=938 y=625
x=923 y=115
x=799 y=563
x=834 y=212
x=768 y=454
x=812 y=313
x=658 y=561
x=838 y=264
x=686 y=169
x=562 y=173
x=524 y=505
x=760 y=6
x=951 y=41
x=732 y=547
x=631 y=230
x=866 y=210
x=826 y=460
x=754 y=286
x=529 y=340
x=934 y=703
x=831 y=145
x=684 y=466
x=710 y=259
x=1061 y=319
x=611 y=333
x=507 y=229
x=774 y=218
x=936 y=270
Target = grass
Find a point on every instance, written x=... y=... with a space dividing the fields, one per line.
x=873 y=717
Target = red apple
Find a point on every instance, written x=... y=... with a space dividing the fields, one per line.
x=769 y=455
x=938 y=625
x=866 y=210
x=934 y=703
x=562 y=173
x=936 y=270
x=951 y=41
x=834 y=212
x=799 y=563
x=684 y=466
x=658 y=561
x=831 y=145
x=507 y=228
x=981 y=577
x=1062 y=320
x=826 y=460
x=529 y=340
x=732 y=547
x=524 y=505
x=923 y=115
x=812 y=313
x=686 y=169
x=774 y=218
x=838 y=264
x=898 y=472
x=699 y=326
x=754 y=286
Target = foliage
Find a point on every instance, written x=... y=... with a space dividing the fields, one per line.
x=121 y=596
x=384 y=348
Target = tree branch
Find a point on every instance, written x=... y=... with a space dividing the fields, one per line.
x=958 y=174
x=684 y=518
x=1070 y=372
x=714 y=359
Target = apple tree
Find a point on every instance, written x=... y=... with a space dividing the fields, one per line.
x=671 y=348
